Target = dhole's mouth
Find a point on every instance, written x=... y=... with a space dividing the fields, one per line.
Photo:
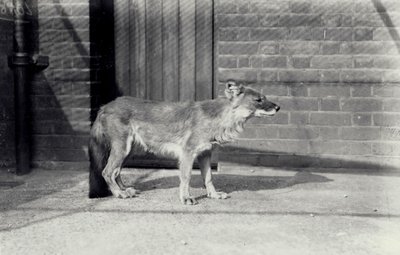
x=264 y=113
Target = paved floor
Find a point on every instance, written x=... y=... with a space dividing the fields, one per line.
x=269 y=212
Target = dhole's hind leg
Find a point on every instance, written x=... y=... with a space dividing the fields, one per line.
x=205 y=167
x=111 y=172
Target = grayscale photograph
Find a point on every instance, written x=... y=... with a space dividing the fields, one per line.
x=200 y=127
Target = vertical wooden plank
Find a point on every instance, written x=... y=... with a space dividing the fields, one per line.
x=216 y=6
x=154 y=54
x=138 y=48
x=170 y=50
x=187 y=49
x=204 y=49
x=122 y=49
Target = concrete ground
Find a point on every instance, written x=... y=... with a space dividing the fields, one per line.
x=270 y=211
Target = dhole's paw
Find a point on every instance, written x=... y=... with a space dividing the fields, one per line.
x=188 y=200
x=218 y=195
x=127 y=193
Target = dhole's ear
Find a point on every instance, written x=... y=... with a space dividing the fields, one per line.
x=233 y=89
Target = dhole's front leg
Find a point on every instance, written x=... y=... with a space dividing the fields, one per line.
x=205 y=167
x=185 y=167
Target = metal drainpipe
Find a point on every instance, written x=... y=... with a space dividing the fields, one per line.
x=21 y=62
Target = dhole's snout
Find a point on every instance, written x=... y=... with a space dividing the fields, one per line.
x=267 y=109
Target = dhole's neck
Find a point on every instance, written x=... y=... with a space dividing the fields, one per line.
x=230 y=123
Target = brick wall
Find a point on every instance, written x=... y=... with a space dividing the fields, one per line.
x=7 y=144
x=332 y=66
x=61 y=94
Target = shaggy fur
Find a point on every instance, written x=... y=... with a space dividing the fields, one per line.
x=181 y=130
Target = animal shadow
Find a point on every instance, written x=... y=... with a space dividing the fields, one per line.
x=231 y=182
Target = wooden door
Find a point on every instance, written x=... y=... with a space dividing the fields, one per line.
x=164 y=50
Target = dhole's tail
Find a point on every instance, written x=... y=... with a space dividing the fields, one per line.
x=99 y=151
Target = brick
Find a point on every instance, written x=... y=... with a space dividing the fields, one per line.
x=61 y=101
x=295 y=20
x=226 y=7
x=361 y=105
x=391 y=76
x=275 y=90
x=248 y=75
x=76 y=114
x=330 y=75
x=385 y=34
x=391 y=105
x=329 y=90
x=299 y=76
x=390 y=133
x=48 y=127
x=227 y=62
x=298 y=90
x=330 y=48
x=299 y=48
x=269 y=7
x=269 y=20
x=59 y=141
x=59 y=155
x=358 y=148
x=228 y=48
x=60 y=165
x=387 y=62
x=386 y=90
x=71 y=75
x=70 y=23
x=228 y=34
x=256 y=61
x=360 y=133
x=373 y=76
x=363 y=34
x=369 y=48
x=268 y=34
x=287 y=146
x=329 y=133
x=327 y=147
x=299 y=118
x=298 y=133
x=243 y=7
x=81 y=9
x=386 y=149
x=243 y=62
x=238 y=20
x=368 y=20
x=339 y=34
x=268 y=75
x=362 y=90
x=300 y=62
x=269 y=48
x=327 y=104
x=300 y=7
x=330 y=119
x=300 y=33
x=323 y=62
x=336 y=20
x=259 y=133
x=333 y=7
x=274 y=62
x=298 y=104
x=386 y=119
x=363 y=62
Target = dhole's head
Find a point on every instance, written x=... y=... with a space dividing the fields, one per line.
x=249 y=102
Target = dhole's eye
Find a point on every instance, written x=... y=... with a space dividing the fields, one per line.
x=258 y=100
